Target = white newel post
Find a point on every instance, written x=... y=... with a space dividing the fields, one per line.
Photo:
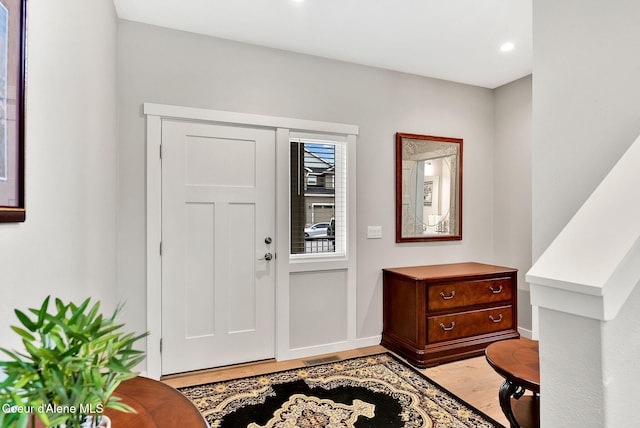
x=585 y=285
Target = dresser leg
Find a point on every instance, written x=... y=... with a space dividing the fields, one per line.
x=508 y=390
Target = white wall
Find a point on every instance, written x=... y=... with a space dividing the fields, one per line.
x=585 y=97
x=585 y=115
x=512 y=186
x=619 y=377
x=67 y=246
x=585 y=286
x=172 y=67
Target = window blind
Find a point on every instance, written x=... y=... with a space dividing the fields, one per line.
x=318 y=197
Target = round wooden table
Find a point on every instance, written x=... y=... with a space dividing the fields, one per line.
x=158 y=406
x=518 y=362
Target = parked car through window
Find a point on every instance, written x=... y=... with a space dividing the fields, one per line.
x=318 y=230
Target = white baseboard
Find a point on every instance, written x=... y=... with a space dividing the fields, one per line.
x=363 y=342
x=329 y=348
x=312 y=351
x=525 y=332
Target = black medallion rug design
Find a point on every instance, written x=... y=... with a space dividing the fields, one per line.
x=377 y=391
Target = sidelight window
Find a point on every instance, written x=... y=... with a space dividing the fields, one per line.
x=317 y=195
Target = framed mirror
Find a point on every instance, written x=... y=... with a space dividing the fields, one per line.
x=428 y=188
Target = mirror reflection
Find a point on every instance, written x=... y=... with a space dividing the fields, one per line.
x=428 y=188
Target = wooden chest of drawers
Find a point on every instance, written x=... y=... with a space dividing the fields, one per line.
x=438 y=313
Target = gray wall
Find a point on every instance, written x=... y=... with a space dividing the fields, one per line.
x=585 y=98
x=82 y=189
x=67 y=246
x=512 y=184
x=585 y=115
x=172 y=67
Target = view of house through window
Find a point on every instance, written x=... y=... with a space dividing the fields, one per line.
x=317 y=196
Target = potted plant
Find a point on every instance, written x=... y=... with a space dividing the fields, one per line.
x=72 y=362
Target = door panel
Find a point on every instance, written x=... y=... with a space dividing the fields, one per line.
x=241 y=251
x=238 y=170
x=199 y=295
x=218 y=205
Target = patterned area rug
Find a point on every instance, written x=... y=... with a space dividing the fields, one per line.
x=377 y=391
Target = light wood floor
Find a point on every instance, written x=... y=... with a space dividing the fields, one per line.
x=472 y=379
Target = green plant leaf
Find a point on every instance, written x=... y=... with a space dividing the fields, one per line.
x=23 y=333
x=11 y=354
x=42 y=312
x=77 y=311
x=17 y=420
x=116 y=404
x=25 y=320
x=34 y=351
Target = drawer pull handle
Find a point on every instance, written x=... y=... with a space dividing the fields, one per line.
x=495 y=320
x=449 y=297
x=445 y=328
x=495 y=291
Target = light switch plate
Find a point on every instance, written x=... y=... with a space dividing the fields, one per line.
x=374 y=232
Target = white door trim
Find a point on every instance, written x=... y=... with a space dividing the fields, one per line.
x=155 y=113
x=274 y=122
x=154 y=237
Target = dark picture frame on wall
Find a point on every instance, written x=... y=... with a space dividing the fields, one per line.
x=12 y=89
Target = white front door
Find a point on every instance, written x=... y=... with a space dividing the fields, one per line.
x=218 y=215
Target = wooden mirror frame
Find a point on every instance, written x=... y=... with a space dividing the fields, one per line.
x=451 y=236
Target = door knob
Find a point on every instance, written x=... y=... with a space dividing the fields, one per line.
x=268 y=256
x=268 y=240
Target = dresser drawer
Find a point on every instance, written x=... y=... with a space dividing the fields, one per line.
x=465 y=293
x=464 y=324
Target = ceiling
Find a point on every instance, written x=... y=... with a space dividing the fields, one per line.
x=457 y=40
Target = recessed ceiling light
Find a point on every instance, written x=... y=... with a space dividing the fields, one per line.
x=506 y=47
